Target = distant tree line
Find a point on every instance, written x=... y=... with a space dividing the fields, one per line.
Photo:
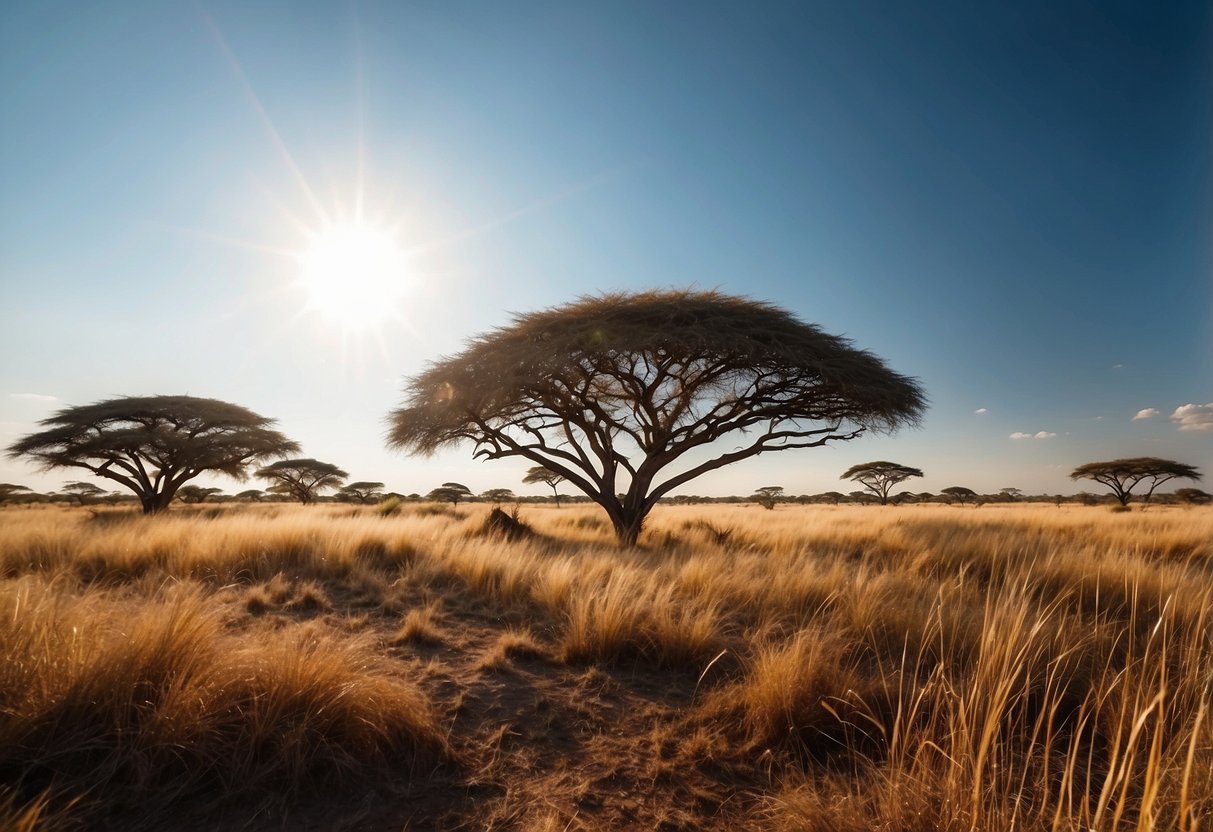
x=625 y=398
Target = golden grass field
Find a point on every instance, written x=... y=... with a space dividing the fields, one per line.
x=809 y=668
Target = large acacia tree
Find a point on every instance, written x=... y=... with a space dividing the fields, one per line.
x=880 y=477
x=154 y=444
x=1124 y=475
x=627 y=395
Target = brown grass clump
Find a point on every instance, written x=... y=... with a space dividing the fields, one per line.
x=420 y=626
x=135 y=702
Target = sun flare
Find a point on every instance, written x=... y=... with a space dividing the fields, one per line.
x=354 y=273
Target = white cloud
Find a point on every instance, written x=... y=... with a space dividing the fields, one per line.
x=33 y=397
x=1118 y=366
x=1098 y=418
x=1194 y=417
x=1043 y=434
x=982 y=411
x=1146 y=413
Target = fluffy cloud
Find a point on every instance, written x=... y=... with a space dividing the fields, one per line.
x=1146 y=413
x=982 y=411
x=1194 y=417
x=1042 y=434
x=33 y=397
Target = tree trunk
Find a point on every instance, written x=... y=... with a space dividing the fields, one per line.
x=154 y=503
x=627 y=529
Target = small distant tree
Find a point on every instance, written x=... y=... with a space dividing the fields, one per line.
x=362 y=492
x=196 y=493
x=450 y=492
x=1124 y=475
x=862 y=497
x=1010 y=494
x=154 y=444
x=960 y=494
x=82 y=492
x=251 y=495
x=539 y=474
x=880 y=477
x=832 y=497
x=1193 y=496
x=768 y=496
x=8 y=490
x=303 y=479
x=497 y=495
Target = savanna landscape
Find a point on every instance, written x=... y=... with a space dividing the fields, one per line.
x=807 y=668
x=560 y=417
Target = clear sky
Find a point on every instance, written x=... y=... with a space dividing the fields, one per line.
x=1010 y=201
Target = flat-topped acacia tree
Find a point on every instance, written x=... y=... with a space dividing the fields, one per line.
x=1124 y=475
x=611 y=392
x=880 y=477
x=303 y=479
x=154 y=444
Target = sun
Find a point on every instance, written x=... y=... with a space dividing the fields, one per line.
x=354 y=273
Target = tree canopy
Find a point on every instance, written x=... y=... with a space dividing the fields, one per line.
x=450 y=492
x=1124 y=475
x=303 y=479
x=154 y=444
x=880 y=477
x=362 y=491
x=538 y=473
x=960 y=493
x=8 y=489
x=1193 y=496
x=768 y=495
x=196 y=493
x=497 y=495
x=612 y=391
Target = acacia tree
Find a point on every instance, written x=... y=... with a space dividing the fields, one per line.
x=303 y=479
x=450 y=492
x=960 y=493
x=154 y=444
x=1123 y=475
x=1193 y=496
x=196 y=493
x=498 y=495
x=625 y=395
x=768 y=496
x=362 y=491
x=8 y=490
x=551 y=479
x=879 y=477
x=82 y=492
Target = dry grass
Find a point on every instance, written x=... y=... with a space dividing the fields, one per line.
x=809 y=668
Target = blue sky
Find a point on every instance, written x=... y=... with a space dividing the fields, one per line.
x=1011 y=202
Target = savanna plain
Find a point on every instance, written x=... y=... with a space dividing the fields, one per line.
x=923 y=667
